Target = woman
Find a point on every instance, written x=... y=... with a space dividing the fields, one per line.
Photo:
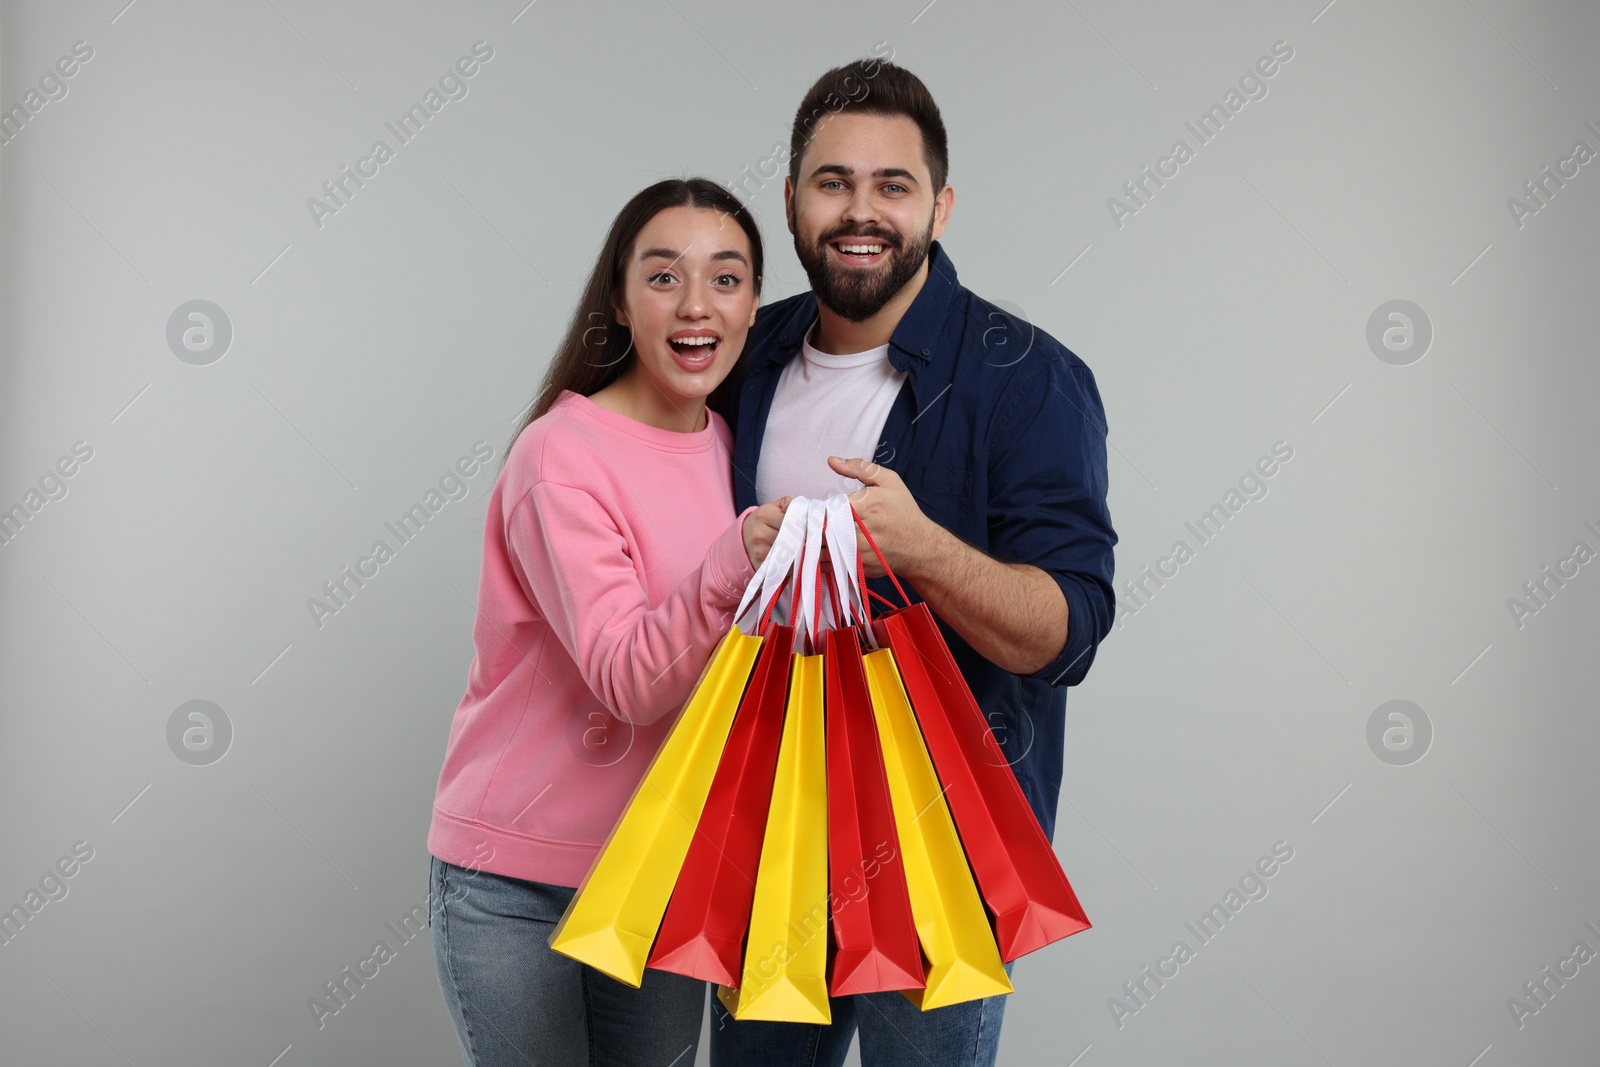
x=612 y=564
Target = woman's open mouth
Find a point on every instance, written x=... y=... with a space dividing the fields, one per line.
x=694 y=351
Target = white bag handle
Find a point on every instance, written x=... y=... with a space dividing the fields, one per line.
x=810 y=559
x=775 y=567
x=797 y=553
x=843 y=552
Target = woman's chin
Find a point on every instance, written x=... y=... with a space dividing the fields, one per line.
x=697 y=385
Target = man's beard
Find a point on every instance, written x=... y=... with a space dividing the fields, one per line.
x=855 y=294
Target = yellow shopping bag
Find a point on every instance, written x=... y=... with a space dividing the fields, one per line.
x=784 y=977
x=957 y=941
x=613 y=918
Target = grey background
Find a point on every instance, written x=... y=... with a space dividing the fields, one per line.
x=1231 y=312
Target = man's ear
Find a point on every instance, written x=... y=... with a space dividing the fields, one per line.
x=788 y=202
x=943 y=204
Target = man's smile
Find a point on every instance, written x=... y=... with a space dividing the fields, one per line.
x=861 y=251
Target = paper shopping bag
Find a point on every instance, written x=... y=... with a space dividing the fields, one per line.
x=1013 y=862
x=963 y=960
x=613 y=918
x=784 y=976
x=875 y=937
x=702 y=934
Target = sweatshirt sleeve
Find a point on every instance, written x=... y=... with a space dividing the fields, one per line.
x=577 y=566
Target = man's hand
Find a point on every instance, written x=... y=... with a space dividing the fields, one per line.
x=761 y=529
x=1012 y=614
x=908 y=539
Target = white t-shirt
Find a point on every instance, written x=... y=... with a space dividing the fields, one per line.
x=825 y=405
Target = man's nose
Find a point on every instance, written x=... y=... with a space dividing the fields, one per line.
x=860 y=207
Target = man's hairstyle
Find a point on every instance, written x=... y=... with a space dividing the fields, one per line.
x=872 y=87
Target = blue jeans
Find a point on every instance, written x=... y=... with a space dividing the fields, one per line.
x=515 y=1001
x=894 y=1033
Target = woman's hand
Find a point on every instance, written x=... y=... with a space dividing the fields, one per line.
x=761 y=529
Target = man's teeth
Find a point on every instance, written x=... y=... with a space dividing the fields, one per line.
x=861 y=249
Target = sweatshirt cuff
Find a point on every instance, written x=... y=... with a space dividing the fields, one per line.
x=728 y=563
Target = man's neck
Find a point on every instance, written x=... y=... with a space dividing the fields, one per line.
x=838 y=336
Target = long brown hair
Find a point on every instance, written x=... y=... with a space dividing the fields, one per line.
x=597 y=349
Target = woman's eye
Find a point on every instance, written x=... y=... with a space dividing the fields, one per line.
x=731 y=279
x=659 y=277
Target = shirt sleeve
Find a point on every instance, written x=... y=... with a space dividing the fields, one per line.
x=1047 y=500
x=573 y=561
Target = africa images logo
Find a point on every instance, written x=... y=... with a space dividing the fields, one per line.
x=1252 y=85
x=343 y=187
x=1253 y=886
x=452 y=486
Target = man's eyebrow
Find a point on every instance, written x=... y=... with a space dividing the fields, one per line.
x=882 y=172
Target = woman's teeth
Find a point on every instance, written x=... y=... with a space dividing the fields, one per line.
x=695 y=349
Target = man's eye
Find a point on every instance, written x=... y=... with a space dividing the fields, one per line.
x=834 y=182
x=894 y=187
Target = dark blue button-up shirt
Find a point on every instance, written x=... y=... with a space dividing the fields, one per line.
x=999 y=433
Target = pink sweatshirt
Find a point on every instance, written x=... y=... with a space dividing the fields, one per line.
x=612 y=564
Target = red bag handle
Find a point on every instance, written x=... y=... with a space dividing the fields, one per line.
x=766 y=614
x=861 y=569
x=830 y=587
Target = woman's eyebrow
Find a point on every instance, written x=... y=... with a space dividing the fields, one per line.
x=674 y=255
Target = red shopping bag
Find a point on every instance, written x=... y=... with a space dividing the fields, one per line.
x=875 y=934
x=702 y=933
x=1013 y=863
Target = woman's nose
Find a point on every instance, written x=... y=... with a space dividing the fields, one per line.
x=694 y=303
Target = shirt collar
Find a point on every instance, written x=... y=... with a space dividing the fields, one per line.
x=912 y=340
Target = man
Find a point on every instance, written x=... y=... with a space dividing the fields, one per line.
x=976 y=448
